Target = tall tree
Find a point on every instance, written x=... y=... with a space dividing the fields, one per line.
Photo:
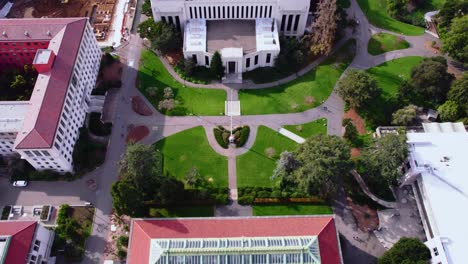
x=459 y=93
x=216 y=65
x=357 y=88
x=324 y=27
x=406 y=250
x=431 y=81
x=127 y=199
x=318 y=164
x=449 y=111
x=405 y=116
x=163 y=36
x=455 y=42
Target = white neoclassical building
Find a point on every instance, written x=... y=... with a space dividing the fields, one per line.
x=245 y=32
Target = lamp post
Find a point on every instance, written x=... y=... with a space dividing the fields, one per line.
x=231 y=137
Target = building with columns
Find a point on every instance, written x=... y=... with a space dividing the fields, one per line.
x=65 y=53
x=245 y=32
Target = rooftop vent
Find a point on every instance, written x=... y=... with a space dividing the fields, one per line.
x=4 y=33
x=26 y=33
x=48 y=33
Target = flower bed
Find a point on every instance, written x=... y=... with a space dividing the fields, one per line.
x=241 y=135
x=45 y=213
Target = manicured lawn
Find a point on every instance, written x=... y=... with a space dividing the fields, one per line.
x=376 y=12
x=187 y=211
x=383 y=42
x=255 y=167
x=309 y=129
x=188 y=149
x=389 y=75
x=291 y=209
x=197 y=101
x=304 y=93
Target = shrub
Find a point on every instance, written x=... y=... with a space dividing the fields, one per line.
x=276 y=194
x=97 y=127
x=45 y=212
x=247 y=199
x=123 y=241
x=263 y=194
x=153 y=212
x=63 y=214
x=218 y=133
x=6 y=212
x=243 y=137
x=121 y=253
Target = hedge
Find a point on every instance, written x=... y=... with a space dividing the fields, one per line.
x=241 y=135
x=218 y=133
x=244 y=136
x=267 y=195
x=209 y=196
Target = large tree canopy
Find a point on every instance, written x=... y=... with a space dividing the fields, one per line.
x=459 y=93
x=216 y=65
x=163 y=36
x=455 y=41
x=405 y=116
x=357 y=88
x=324 y=27
x=316 y=165
x=406 y=250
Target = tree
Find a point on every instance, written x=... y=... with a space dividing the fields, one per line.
x=291 y=56
x=405 y=116
x=456 y=39
x=194 y=179
x=357 y=88
x=19 y=82
x=382 y=160
x=406 y=250
x=147 y=29
x=449 y=111
x=171 y=190
x=286 y=164
x=320 y=162
x=127 y=199
x=163 y=37
x=459 y=93
x=189 y=66
x=449 y=11
x=146 y=8
x=216 y=65
x=351 y=133
x=431 y=81
x=324 y=27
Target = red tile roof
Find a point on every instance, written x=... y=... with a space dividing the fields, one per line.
x=22 y=233
x=144 y=230
x=47 y=115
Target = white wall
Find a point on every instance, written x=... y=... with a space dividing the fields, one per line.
x=7 y=140
x=41 y=244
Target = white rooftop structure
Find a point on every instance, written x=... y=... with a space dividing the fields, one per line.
x=42 y=56
x=266 y=34
x=12 y=115
x=195 y=35
x=440 y=157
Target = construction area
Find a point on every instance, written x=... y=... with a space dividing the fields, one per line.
x=100 y=12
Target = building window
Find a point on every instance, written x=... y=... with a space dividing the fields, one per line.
x=271 y=9
x=290 y=18
x=242 y=12
x=237 y=14
x=256 y=60
x=247 y=63
x=194 y=58
x=296 y=23
x=37 y=243
x=28 y=153
x=200 y=14
x=207 y=61
x=37 y=153
x=436 y=251
x=204 y=12
x=46 y=153
x=177 y=20
x=57 y=145
x=171 y=21
x=268 y=58
x=261 y=11
x=256 y=11
x=209 y=12
x=191 y=12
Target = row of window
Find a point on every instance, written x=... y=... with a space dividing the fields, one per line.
x=247 y=60
x=23 y=43
x=172 y=21
x=226 y=12
x=289 y=19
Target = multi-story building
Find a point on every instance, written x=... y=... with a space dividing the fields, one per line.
x=25 y=242
x=67 y=59
x=293 y=239
x=438 y=176
x=245 y=32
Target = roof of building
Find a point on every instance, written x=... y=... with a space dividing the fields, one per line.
x=195 y=35
x=266 y=33
x=151 y=237
x=231 y=34
x=64 y=36
x=19 y=235
x=13 y=114
x=441 y=158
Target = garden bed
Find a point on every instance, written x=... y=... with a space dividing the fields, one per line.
x=140 y=107
x=45 y=213
x=291 y=209
x=136 y=133
x=241 y=135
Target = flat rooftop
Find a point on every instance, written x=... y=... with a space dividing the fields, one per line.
x=442 y=159
x=13 y=114
x=231 y=34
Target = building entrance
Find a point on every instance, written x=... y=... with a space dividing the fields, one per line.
x=231 y=67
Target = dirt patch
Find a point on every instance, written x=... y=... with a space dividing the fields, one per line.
x=136 y=133
x=270 y=152
x=458 y=74
x=434 y=48
x=366 y=217
x=122 y=225
x=174 y=57
x=140 y=107
x=308 y=100
x=358 y=122
x=355 y=152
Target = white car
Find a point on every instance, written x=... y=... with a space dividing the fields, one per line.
x=20 y=183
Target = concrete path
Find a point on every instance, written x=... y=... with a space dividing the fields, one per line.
x=366 y=190
x=291 y=135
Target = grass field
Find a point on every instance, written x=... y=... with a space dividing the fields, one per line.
x=389 y=75
x=187 y=211
x=309 y=129
x=255 y=167
x=376 y=12
x=291 y=209
x=306 y=92
x=383 y=42
x=188 y=149
x=197 y=101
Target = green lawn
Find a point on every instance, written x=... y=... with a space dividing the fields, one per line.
x=389 y=75
x=383 y=42
x=306 y=92
x=197 y=101
x=291 y=209
x=376 y=12
x=309 y=129
x=187 y=211
x=188 y=149
x=255 y=167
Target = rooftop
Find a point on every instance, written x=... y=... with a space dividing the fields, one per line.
x=42 y=56
x=235 y=238
x=43 y=114
x=195 y=35
x=231 y=34
x=15 y=240
x=13 y=114
x=441 y=158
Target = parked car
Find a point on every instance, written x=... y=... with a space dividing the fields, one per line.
x=20 y=183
